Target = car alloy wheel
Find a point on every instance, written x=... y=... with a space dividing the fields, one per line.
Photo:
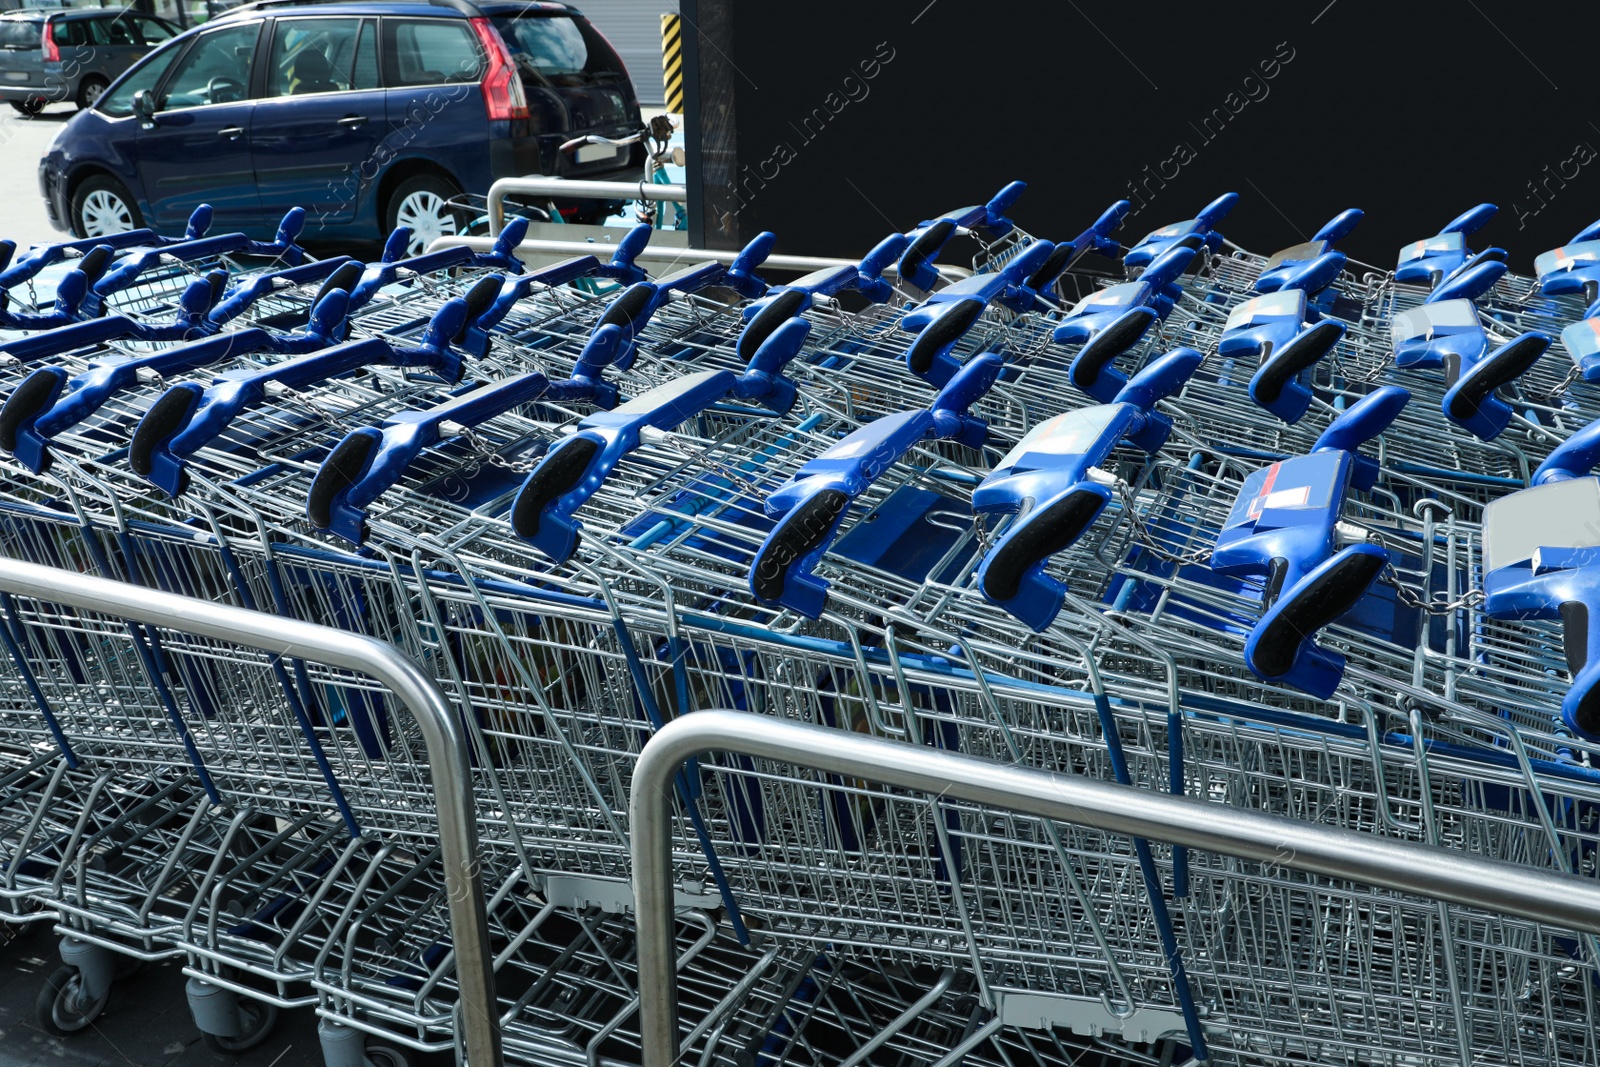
x=104 y=212
x=429 y=217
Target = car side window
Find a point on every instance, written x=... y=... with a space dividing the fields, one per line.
x=313 y=55
x=430 y=52
x=215 y=69
x=150 y=31
x=71 y=33
x=116 y=31
x=366 y=68
x=117 y=102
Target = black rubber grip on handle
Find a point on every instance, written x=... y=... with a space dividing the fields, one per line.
x=943 y=331
x=1106 y=346
x=1044 y=533
x=337 y=473
x=165 y=417
x=802 y=530
x=1316 y=604
x=627 y=307
x=1301 y=352
x=346 y=276
x=1505 y=365
x=783 y=307
x=926 y=246
x=25 y=401
x=555 y=477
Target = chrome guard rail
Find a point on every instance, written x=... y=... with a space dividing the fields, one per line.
x=1561 y=900
x=441 y=733
x=581 y=190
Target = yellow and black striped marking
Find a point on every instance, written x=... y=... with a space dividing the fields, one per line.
x=672 y=61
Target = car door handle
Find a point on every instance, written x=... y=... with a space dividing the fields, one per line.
x=351 y=122
x=232 y=133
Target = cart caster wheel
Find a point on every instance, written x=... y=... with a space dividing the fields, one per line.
x=256 y=1023
x=60 y=1008
x=385 y=1056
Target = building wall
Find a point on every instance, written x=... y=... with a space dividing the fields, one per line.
x=832 y=127
x=634 y=29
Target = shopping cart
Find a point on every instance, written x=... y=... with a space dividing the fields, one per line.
x=819 y=920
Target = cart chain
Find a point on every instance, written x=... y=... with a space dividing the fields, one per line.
x=1142 y=534
x=484 y=454
x=1564 y=384
x=1405 y=595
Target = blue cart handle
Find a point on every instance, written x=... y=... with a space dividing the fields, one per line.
x=188 y=321
x=813 y=502
x=1573 y=458
x=189 y=416
x=368 y=462
x=1281 y=647
x=1339 y=227
x=47 y=403
x=575 y=469
x=783 y=302
x=1470 y=221
x=929 y=237
x=1471 y=402
x=127 y=270
x=242 y=297
x=948 y=315
x=37 y=258
x=393 y=264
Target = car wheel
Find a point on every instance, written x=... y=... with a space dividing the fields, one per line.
x=89 y=91
x=423 y=204
x=29 y=107
x=102 y=205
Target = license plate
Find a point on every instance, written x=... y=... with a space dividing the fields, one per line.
x=16 y=75
x=589 y=153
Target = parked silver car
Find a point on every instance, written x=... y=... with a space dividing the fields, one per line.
x=71 y=56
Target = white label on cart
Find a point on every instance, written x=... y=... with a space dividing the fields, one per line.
x=1287 y=303
x=1452 y=315
x=1283 y=498
x=1069 y=434
x=1174 y=230
x=1566 y=257
x=1556 y=515
x=1301 y=253
x=1106 y=299
x=1444 y=242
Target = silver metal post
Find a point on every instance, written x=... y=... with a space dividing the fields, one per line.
x=446 y=748
x=1559 y=899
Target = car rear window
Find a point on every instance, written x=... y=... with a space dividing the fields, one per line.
x=562 y=50
x=16 y=34
x=430 y=52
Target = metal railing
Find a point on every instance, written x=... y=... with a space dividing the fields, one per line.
x=668 y=256
x=1562 y=900
x=441 y=734
x=565 y=189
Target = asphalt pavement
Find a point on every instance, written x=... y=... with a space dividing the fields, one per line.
x=22 y=142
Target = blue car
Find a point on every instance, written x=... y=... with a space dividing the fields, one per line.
x=368 y=115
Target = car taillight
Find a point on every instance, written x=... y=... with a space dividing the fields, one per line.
x=52 y=54
x=502 y=88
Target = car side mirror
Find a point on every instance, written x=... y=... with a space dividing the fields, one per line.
x=144 y=105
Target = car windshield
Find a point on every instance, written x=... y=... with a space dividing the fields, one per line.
x=18 y=34
x=559 y=49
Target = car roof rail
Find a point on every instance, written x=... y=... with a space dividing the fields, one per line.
x=463 y=6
